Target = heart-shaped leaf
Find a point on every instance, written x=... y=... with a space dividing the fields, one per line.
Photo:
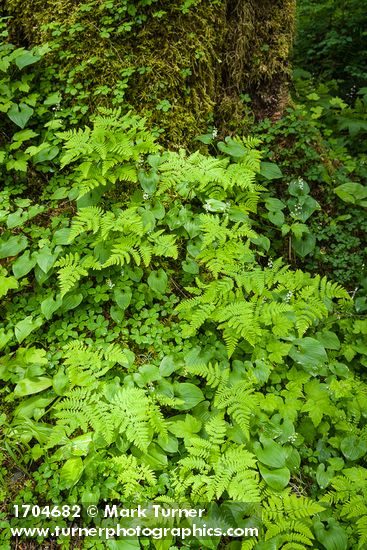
x=20 y=114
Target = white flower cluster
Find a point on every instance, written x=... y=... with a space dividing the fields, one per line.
x=270 y=263
x=110 y=284
x=214 y=133
x=146 y=196
x=288 y=296
x=301 y=183
x=297 y=210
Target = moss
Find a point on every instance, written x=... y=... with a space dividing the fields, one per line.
x=177 y=68
x=256 y=58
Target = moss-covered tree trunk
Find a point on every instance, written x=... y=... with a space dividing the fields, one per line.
x=183 y=63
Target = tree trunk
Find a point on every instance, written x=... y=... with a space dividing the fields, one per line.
x=184 y=64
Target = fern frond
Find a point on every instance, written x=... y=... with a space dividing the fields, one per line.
x=87 y=219
x=70 y=272
x=213 y=373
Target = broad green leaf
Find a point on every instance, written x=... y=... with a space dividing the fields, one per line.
x=169 y=365
x=304 y=245
x=276 y=479
x=12 y=246
x=293 y=461
x=71 y=472
x=53 y=99
x=27 y=58
x=28 y=386
x=5 y=337
x=117 y=314
x=352 y=192
x=146 y=375
x=34 y=355
x=42 y=432
x=190 y=394
x=270 y=171
x=168 y=444
x=232 y=148
x=301 y=208
x=270 y=453
x=81 y=444
x=184 y=427
x=157 y=281
x=273 y=205
x=46 y=154
x=309 y=353
x=28 y=406
x=323 y=477
x=23 y=328
x=205 y=138
x=20 y=114
x=45 y=259
x=155 y=457
x=190 y=266
x=332 y=537
x=16 y=219
x=213 y=205
x=353 y=447
x=6 y=284
x=148 y=181
x=91 y=497
x=49 y=306
x=60 y=193
x=61 y=236
x=328 y=339
x=122 y=297
x=71 y=301
x=277 y=218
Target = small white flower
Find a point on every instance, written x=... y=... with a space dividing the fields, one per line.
x=270 y=264
x=110 y=284
x=214 y=133
x=146 y=196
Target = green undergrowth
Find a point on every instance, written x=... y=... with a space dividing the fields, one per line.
x=155 y=347
x=318 y=219
x=151 y=350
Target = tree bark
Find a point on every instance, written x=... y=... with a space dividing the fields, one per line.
x=184 y=68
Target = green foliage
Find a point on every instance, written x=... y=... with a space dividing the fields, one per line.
x=320 y=147
x=151 y=348
x=171 y=359
x=331 y=41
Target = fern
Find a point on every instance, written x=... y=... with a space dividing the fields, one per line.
x=108 y=149
x=88 y=219
x=239 y=401
x=132 y=475
x=70 y=273
x=215 y=376
x=288 y=520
